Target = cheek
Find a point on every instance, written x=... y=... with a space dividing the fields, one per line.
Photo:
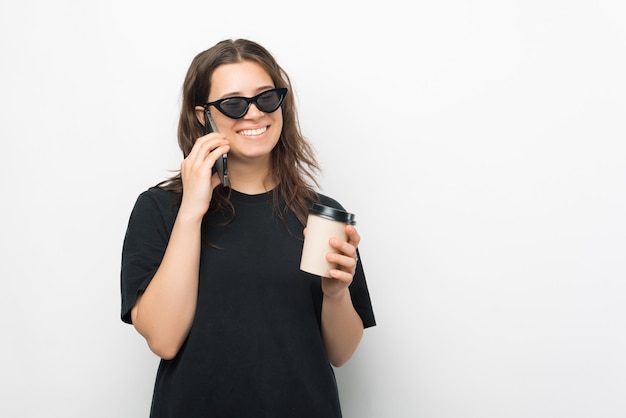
x=278 y=129
x=223 y=123
x=278 y=122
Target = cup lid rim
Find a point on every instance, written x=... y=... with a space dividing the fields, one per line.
x=331 y=213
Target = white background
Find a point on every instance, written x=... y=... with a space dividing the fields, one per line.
x=480 y=144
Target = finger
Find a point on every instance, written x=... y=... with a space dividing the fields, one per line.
x=344 y=277
x=205 y=154
x=346 y=263
x=206 y=144
x=343 y=247
x=353 y=236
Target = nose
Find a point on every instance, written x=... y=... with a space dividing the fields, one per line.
x=253 y=112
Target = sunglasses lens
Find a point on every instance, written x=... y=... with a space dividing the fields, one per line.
x=234 y=107
x=269 y=101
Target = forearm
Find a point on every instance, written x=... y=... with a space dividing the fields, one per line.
x=342 y=328
x=164 y=312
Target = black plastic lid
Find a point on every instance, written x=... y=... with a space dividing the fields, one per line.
x=333 y=214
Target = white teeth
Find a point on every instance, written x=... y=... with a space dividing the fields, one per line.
x=251 y=132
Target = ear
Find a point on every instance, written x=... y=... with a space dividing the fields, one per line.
x=200 y=114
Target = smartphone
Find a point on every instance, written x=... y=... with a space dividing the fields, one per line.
x=221 y=165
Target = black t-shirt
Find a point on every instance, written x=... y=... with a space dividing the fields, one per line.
x=254 y=348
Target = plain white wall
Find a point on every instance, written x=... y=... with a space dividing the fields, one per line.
x=480 y=143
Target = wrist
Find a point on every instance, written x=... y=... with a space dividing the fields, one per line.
x=187 y=217
x=338 y=297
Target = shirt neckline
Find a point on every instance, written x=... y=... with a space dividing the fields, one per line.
x=251 y=198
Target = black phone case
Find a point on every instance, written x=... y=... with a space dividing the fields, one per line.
x=221 y=165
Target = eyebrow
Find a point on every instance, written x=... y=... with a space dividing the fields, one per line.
x=239 y=94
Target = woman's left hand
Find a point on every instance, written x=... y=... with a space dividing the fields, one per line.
x=346 y=261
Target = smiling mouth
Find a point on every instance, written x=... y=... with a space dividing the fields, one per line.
x=253 y=132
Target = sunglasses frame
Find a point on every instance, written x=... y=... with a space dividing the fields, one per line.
x=282 y=91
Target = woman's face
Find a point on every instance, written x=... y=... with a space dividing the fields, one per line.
x=252 y=137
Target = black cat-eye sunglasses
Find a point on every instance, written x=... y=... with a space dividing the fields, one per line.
x=236 y=107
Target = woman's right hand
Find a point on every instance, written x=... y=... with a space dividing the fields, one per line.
x=197 y=174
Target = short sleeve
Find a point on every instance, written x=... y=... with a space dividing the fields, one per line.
x=361 y=297
x=147 y=235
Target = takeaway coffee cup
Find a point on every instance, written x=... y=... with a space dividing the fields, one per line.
x=323 y=222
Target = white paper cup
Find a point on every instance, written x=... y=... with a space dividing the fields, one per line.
x=323 y=223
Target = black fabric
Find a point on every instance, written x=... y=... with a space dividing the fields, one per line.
x=254 y=348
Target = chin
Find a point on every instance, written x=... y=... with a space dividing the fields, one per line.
x=250 y=148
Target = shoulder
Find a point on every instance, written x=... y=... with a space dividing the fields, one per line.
x=159 y=197
x=156 y=200
x=154 y=212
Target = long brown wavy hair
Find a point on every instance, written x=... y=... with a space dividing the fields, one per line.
x=293 y=162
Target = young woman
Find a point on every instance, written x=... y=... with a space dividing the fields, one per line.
x=210 y=273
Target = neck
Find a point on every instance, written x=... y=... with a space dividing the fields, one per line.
x=250 y=178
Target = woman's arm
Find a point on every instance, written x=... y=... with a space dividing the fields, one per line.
x=342 y=327
x=163 y=314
